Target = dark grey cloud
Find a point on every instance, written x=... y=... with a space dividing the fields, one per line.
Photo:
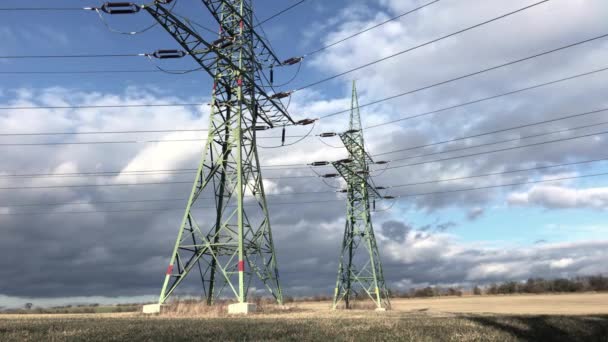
x=475 y=213
x=395 y=230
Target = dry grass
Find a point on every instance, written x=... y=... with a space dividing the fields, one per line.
x=561 y=304
x=500 y=318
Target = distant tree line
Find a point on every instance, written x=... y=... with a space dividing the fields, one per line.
x=562 y=285
x=28 y=308
x=429 y=291
x=533 y=285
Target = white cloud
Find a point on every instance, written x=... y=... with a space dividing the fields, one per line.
x=559 y=197
x=561 y=263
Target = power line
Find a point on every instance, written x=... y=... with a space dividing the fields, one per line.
x=105 y=106
x=498 y=173
x=74 y=56
x=460 y=105
x=280 y=13
x=420 y=46
x=153 y=210
x=27 y=205
x=141 y=184
x=374 y=102
x=114 y=142
x=297 y=166
x=192 y=22
x=499 y=150
x=301 y=166
x=71 y=72
x=492 y=132
x=388 y=168
x=100 y=174
x=140 y=173
x=498 y=131
x=103 y=132
x=326 y=201
x=368 y=127
x=92 y=185
x=474 y=73
x=371 y=28
x=125 y=142
x=389 y=187
x=43 y=9
x=503 y=185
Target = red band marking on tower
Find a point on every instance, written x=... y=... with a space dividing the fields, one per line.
x=170 y=269
x=241 y=266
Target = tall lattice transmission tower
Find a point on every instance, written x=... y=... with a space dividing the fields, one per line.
x=230 y=248
x=360 y=270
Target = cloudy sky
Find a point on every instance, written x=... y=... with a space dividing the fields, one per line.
x=62 y=242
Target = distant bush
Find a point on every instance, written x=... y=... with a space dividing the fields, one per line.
x=477 y=291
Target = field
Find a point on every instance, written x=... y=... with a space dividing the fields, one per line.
x=578 y=317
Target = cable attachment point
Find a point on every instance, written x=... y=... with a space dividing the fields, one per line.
x=120 y=8
x=344 y=161
x=223 y=42
x=381 y=188
x=306 y=122
x=330 y=175
x=382 y=162
x=292 y=61
x=281 y=95
x=352 y=131
x=283 y=136
x=342 y=191
x=389 y=197
x=319 y=163
x=168 y=54
x=261 y=128
x=271 y=75
x=328 y=135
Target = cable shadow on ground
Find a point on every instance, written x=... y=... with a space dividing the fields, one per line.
x=548 y=328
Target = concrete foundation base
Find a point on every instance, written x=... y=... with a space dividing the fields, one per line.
x=380 y=309
x=152 y=309
x=241 y=308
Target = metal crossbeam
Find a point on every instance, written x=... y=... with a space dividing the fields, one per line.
x=261 y=48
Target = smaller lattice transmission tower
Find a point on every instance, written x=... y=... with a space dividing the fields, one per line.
x=360 y=271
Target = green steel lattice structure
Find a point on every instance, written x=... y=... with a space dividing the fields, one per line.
x=230 y=248
x=360 y=270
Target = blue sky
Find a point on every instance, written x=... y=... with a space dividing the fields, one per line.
x=531 y=228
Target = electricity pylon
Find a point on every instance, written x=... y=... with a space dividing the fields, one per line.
x=231 y=247
x=360 y=269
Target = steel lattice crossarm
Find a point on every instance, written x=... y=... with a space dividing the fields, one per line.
x=354 y=173
x=356 y=167
x=207 y=53
x=263 y=52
